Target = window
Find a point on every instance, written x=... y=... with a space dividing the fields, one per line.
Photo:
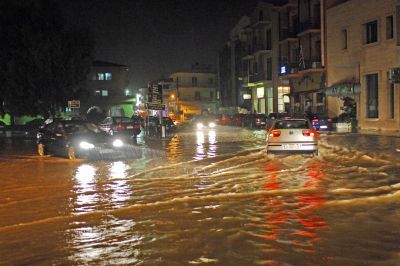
x=269 y=68
x=391 y=99
x=255 y=68
x=268 y=39
x=197 y=95
x=97 y=93
x=371 y=32
x=389 y=27
x=344 y=39
x=100 y=76
x=194 y=81
x=104 y=93
x=211 y=95
x=108 y=76
x=372 y=96
x=211 y=81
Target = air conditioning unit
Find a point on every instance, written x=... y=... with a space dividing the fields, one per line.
x=394 y=75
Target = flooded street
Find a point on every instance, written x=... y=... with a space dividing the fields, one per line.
x=204 y=198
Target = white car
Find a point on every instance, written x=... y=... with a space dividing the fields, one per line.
x=292 y=136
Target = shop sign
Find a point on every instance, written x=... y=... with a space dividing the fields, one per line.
x=260 y=92
x=344 y=90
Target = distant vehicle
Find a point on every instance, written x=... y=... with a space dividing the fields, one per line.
x=169 y=124
x=238 y=120
x=292 y=136
x=117 y=125
x=321 y=122
x=273 y=116
x=205 y=122
x=224 y=119
x=255 y=121
x=76 y=139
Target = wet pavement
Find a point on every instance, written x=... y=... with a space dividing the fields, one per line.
x=211 y=197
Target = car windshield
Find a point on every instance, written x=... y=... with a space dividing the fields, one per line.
x=81 y=128
x=295 y=124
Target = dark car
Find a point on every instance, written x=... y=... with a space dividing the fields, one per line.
x=239 y=120
x=117 y=125
x=274 y=116
x=256 y=121
x=169 y=124
x=321 y=122
x=72 y=139
x=205 y=122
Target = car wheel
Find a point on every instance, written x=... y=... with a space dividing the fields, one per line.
x=41 y=149
x=71 y=153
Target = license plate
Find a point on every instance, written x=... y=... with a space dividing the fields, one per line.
x=324 y=126
x=291 y=146
x=129 y=127
x=106 y=151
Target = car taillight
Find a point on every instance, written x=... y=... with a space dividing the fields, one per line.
x=330 y=120
x=275 y=133
x=315 y=120
x=309 y=133
x=121 y=126
x=136 y=126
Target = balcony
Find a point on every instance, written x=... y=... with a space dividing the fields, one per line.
x=312 y=65
x=289 y=70
x=287 y=35
x=309 y=27
x=286 y=4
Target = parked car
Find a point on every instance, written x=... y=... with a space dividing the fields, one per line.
x=321 y=122
x=76 y=139
x=292 y=135
x=255 y=121
x=224 y=119
x=2 y=127
x=117 y=125
x=238 y=120
x=169 y=124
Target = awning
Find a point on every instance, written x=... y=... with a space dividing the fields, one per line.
x=344 y=90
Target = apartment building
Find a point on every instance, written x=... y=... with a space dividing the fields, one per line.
x=249 y=63
x=301 y=60
x=193 y=92
x=363 y=55
x=108 y=89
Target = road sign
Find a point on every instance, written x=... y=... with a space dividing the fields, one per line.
x=74 y=104
x=155 y=97
x=155 y=106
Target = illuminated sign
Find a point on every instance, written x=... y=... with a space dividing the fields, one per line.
x=246 y=96
x=283 y=69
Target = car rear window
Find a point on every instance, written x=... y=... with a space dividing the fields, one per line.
x=122 y=120
x=296 y=124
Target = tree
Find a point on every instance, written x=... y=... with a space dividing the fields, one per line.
x=42 y=63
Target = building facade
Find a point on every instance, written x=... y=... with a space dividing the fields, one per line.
x=251 y=80
x=301 y=56
x=363 y=54
x=191 y=93
x=108 y=89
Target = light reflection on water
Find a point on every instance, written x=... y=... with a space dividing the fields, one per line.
x=85 y=189
x=206 y=149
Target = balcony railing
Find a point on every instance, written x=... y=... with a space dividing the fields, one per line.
x=286 y=34
x=309 y=25
x=312 y=63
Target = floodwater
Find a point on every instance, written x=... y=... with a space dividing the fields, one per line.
x=204 y=198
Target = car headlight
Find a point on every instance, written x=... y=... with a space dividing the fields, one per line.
x=211 y=124
x=86 y=145
x=118 y=143
x=200 y=125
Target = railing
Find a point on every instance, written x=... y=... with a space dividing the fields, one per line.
x=309 y=25
x=286 y=34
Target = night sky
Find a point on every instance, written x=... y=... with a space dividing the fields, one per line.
x=157 y=38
